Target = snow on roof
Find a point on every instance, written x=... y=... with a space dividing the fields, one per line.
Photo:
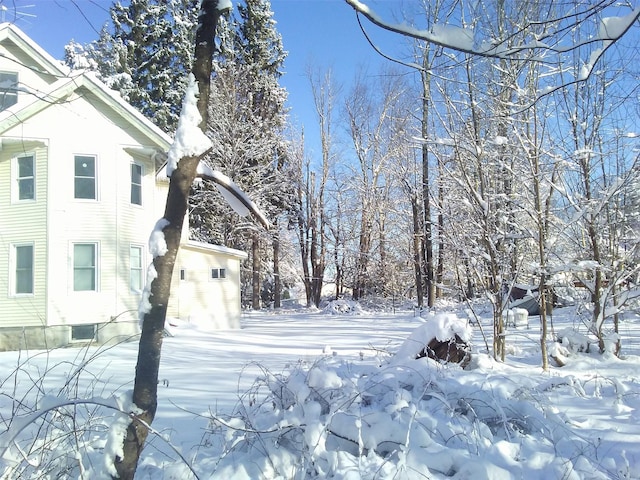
x=211 y=248
x=46 y=61
x=68 y=84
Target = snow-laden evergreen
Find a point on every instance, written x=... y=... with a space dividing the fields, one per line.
x=145 y=53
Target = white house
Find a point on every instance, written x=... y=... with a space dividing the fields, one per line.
x=79 y=196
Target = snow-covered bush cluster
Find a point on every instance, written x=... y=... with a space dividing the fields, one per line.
x=343 y=307
x=382 y=414
x=406 y=418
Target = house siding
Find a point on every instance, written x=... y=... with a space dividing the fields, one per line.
x=212 y=303
x=22 y=223
x=110 y=221
x=14 y=60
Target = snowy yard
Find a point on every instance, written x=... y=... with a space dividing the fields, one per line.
x=332 y=401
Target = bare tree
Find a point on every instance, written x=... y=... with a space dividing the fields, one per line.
x=594 y=191
x=540 y=38
x=371 y=118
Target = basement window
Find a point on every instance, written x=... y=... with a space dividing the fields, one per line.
x=83 y=333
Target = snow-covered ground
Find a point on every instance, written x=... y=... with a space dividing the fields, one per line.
x=325 y=394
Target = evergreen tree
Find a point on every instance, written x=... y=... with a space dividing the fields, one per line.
x=145 y=54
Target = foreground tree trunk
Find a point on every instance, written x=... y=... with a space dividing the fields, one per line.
x=145 y=390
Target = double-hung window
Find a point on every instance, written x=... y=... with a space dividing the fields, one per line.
x=8 y=89
x=135 y=268
x=85 y=267
x=218 y=273
x=25 y=177
x=85 y=177
x=23 y=260
x=136 y=184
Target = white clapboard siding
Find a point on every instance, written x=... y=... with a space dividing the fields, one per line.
x=22 y=223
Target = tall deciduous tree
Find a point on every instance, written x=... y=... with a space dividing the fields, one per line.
x=312 y=218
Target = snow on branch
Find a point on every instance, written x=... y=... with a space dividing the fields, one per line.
x=224 y=5
x=189 y=140
x=464 y=39
x=235 y=197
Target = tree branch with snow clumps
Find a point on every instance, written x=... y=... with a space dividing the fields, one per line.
x=465 y=40
x=235 y=197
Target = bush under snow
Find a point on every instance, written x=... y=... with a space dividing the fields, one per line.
x=338 y=416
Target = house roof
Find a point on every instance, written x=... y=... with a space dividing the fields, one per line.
x=210 y=248
x=45 y=62
x=69 y=82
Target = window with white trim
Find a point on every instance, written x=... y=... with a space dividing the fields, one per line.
x=136 y=184
x=84 y=180
x=8 y=89
x=135 y=268
x=25 y=178
x=23 y=269
x=218 y=273
x=85 y=267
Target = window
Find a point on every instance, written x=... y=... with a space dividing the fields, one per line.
x=136 y=184
x=183 y=274
x=83 y=332
x=8 y=89
x=85 y=177
x=23 y=284
x=85 y=268
x=135 y=273
x=25 y=178
x=217 y=273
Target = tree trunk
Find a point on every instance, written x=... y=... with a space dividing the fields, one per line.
x=441 y=246
x=426 y=184
x=255 y=271
x=277 y=284
x=303 y=229
x=417 y=250
x=145 y=390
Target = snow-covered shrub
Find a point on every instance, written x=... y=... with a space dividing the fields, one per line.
x=342 y=307
x=443 y=337
x=574 y=341
x=404 y=418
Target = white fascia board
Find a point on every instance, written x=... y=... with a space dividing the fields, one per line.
x=211 y=248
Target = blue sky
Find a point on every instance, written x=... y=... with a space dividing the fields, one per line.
x=323 y=33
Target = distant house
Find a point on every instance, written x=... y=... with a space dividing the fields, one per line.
x=79 y=196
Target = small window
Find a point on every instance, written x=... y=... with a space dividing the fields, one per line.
x=217 y=273
x=83 y=333
x=135 y=274
x=8 y=89
x=85 y=177
x=136 y=184
x=25 y=178
x=85 y=269
x=23 y=284
x=183 y=274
